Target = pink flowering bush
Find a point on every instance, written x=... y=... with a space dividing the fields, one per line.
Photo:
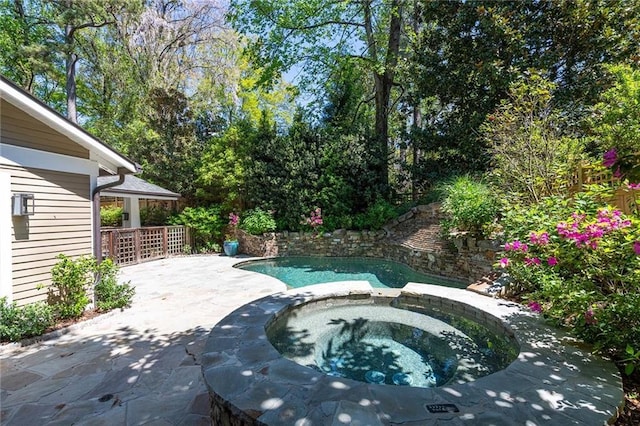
x=232 y=228
x=314 y=221
x=623 y=166
x=580 y=263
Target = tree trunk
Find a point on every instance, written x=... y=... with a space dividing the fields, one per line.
x=72 y=113
x=383 y=85
x=70 y=64
x=417 y=125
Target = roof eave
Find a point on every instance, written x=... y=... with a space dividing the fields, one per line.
x=100 y=152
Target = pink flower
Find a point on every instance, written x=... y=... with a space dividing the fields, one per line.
x=516 y=245
x=609 y=158
x=535 y=306
x=529 y=261
x=552 y=261
x=617 y=173
x=635 y=186
x=636 y=247
x=504 y=262
x=541 y=239
x=589 y=317
x=233 y=219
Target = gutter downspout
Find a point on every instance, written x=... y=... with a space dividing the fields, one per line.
x=95 y=196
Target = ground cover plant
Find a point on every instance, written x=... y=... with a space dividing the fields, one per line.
x=21 y=322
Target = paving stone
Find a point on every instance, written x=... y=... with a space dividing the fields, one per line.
x=196 y=420
x=115 y=382
x=30 y=414
x=35 y=391
x=84 y=369
x=181 y=380
x=116 y=416
x=201 y=404
x=74 y=390
x=79 y=409
x=18 y=380
x=350 y=413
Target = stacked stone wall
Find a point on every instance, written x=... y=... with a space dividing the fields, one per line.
x=413 y=239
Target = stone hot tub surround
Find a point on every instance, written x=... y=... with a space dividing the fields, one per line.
x=552 y=381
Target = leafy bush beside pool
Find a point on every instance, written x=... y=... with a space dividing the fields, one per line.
x=258 y=221
x=470 y=206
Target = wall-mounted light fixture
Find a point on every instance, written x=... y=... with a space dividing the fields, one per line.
x=125 y=216
x=23 y=205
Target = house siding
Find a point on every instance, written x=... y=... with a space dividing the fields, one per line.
x=20 y=129
x=61 y=224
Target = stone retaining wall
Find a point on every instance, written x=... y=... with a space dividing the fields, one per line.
x=413 y=239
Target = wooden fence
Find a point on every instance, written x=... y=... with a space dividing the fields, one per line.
x=126 y=246
x=624 y=198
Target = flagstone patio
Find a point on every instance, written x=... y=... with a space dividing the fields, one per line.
x=139 y=366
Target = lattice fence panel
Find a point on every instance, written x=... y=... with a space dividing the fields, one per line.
x=176 y=239
x=128 y=246
x=125 y=247
x=626 y=199
x=151 y=243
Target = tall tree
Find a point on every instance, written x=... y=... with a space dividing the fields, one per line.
x=467 y=53
x=323 y=35
x=27 y=48
x=39 y=36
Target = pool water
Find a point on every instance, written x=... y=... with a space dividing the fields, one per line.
x=298 y=272
x=390 y=343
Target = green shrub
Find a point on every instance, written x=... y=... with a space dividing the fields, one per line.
x=531 y=156
x=17 y=323
x=614 y=122
x=206 y=224
x=376 y=216
x=470 y=206
x=331 y=223
x=258 y=221
x=70 y=281
x=154 y=216
x=108 y=293
x=579 y=261
x=110 y=216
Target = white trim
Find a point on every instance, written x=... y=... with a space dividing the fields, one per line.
x=6 y=225
x=99 y=151
x=26 y=157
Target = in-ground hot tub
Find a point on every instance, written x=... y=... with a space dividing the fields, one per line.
x=412 y=356
x=387 y=340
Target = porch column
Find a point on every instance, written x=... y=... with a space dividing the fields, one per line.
x=132 y=206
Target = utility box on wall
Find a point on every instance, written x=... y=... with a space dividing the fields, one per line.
x=23 y=204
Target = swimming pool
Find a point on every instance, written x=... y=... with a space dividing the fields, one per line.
x=298 y=272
